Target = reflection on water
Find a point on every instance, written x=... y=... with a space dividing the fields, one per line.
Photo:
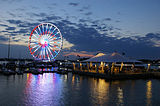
x=55 y=89
x=100 y=91
x=40 y=89
x=149 y=92
x=120 y=96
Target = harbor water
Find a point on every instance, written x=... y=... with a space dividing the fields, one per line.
x=51 y=89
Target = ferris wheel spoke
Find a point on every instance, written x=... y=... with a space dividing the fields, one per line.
x=56 y=38
x=50 y=37
x=47 y=54
x=42 y=52
x=33 y=43
x=39 y=30
x=43 y=29
x=35 y=50
x=51 y=48
x=54 y=50
x=50 y=52
x=35 y=46
x=54 y=30
x=46 y=29
x=34 y=39
x=35 y=36
x=54 y=44
x=56 y=33
x=58 y=47
x=40 y=55
x=50 y=29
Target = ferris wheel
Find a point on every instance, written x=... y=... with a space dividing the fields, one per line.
x=45 y=42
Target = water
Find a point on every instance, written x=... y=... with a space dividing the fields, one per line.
x=58 y=90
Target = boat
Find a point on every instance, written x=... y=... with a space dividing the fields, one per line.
x=19 y=72
x=9 y=72
x=62 y=71
x=35 y=71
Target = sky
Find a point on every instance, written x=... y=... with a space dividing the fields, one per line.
x=87 y=26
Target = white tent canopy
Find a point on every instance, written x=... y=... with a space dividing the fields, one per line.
x=114 y=57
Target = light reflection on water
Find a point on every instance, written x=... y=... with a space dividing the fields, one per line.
x=149 y=93
x=120 y=96
x=55 y=89
x=40 y=89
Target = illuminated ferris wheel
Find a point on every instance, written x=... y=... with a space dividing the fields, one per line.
x=45 y=42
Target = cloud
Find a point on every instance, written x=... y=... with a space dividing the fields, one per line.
x=87 y=38
x=74 y=4
x=67 y=45
x=79 y=54
x=3 y=38
x=15 y=21
x=38 y=14
x=81 y=10
x=89 y=13
x=22 y=31
x=4 y=25
x=107 y=19
x=152 y=39
x=10 y=28
x=49 y=18
x=86 y=7
x=87 y=35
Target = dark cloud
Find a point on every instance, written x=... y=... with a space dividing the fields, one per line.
x=20 y=9
x=15 y=21
x=118 y=29
x=49 y=18
x=74 y=4
x=86 y=7
x=3 y=38
x=21 y=31
x=107 y=19
x=83 y=20
x=4 y=25
x=89 y=13
x=118 y=21
x=38 y=14
x=10 y=28
x=87 y=38
x=81 y=10
x=3 y=31
x=17 y=40
x=22 y=25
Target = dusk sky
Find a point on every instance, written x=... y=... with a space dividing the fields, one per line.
x=87 y=26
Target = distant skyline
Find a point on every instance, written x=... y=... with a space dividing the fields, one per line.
x=130 y=26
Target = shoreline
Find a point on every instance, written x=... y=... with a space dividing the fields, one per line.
x=121 y=76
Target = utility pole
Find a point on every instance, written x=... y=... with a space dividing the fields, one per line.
x=9 y=47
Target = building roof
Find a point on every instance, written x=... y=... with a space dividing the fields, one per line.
x=114 y=57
